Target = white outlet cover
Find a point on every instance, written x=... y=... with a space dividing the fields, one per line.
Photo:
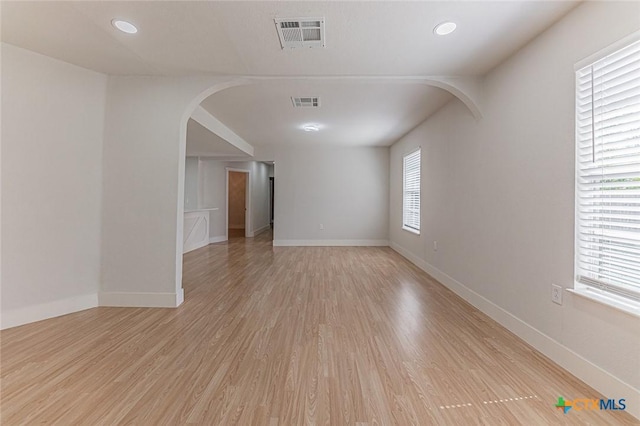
x=556 y=294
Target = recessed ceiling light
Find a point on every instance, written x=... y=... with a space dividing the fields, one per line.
x=311 y=128
x=445 y=28
x=124 y=26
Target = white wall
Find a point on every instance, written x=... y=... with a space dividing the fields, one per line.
x=212 y=191
x=498 y=197
x=52 y=138
x=191 y=201
x=259 y=196
x=346 y=189
x=143 y=187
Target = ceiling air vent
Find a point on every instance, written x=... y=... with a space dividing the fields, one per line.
x=296 y=33
x=313 y=102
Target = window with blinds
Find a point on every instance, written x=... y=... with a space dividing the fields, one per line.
x=411 y=192
x=608 y=174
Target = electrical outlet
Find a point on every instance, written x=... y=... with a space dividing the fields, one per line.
x=556 y=294
x=435 y=246
x=321 y=227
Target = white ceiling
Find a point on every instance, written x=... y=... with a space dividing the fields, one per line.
x=364 y=39
x=351 y=112
x=238 y=37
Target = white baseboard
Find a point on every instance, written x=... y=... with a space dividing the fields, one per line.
x=260 y=230
x=599 y=379
x=179 y=297
x=219 y=239
x=141 y=300
x=331 y=243
x=195 y=247
x=42 y=311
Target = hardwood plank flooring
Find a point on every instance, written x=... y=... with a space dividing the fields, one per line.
x=287 y=336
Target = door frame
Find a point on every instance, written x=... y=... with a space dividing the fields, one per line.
x=272 y=197
x=248 y=232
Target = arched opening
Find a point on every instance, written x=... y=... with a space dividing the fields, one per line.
x=463 y=89
x=213 y=209
x=191 y=107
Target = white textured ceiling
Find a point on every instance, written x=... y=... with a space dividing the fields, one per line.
x=363 y=39
x=351 y=112
x=238 y=37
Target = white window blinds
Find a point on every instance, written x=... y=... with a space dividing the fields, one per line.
x=411 y=191
x=608 y=173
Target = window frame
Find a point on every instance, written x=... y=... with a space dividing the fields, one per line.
x=628 y=304
x=406 y=226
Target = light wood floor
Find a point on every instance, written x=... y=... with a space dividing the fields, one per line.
x=235 y=233
x=287 y=336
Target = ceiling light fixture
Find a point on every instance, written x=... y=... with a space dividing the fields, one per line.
x=311 y=128
x=445 y=28
x=124 y=26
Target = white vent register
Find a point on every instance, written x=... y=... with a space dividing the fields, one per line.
x=298 y=33
x=308 y=102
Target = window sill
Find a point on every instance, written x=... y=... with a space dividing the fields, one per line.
x=413 y=231
x=616 y=302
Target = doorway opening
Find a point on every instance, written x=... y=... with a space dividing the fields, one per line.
x=238 y=203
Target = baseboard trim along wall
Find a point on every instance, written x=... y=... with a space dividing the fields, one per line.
x=201 y=244
x=219 y=239
x=29 y=314
x=599 y=379
x=43 y=311
x=141 y=300
x=260 y=230
x=331 y=243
